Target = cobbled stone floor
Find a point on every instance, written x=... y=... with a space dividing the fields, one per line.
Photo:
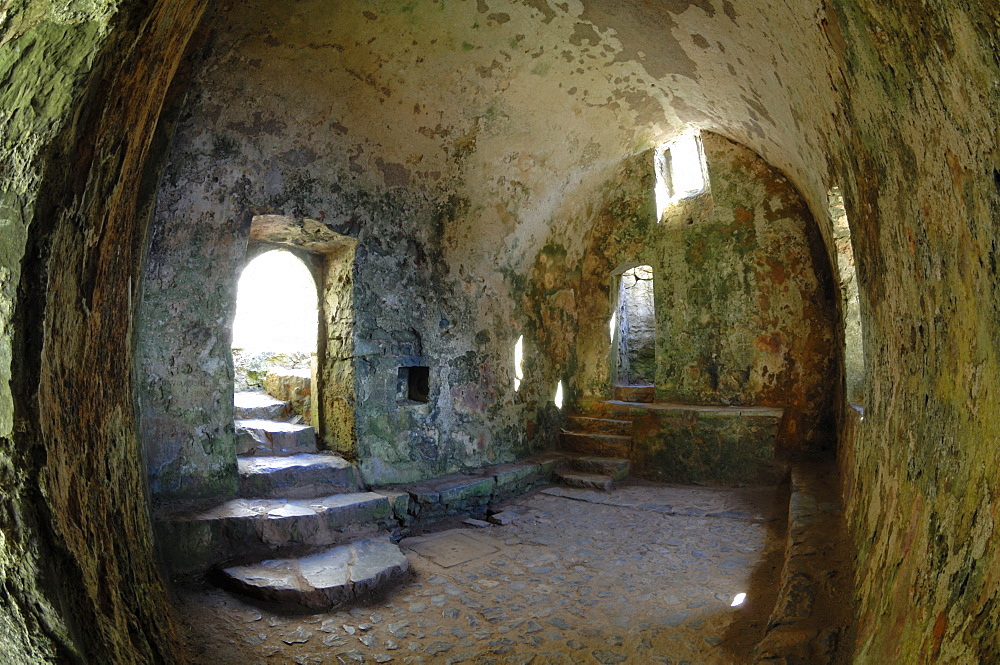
x=644 y=574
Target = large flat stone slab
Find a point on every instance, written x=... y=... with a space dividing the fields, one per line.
x=301 y=476
x=323 y=580
x=269 y=437
x=450 y=548
x=258 y=406
x=193 y=541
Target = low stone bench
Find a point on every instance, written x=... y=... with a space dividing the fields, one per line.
x=468 y=494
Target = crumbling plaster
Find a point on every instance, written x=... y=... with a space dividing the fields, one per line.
x=897 y=103
x=334 y=112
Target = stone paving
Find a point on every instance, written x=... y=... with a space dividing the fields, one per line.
x=645 y=574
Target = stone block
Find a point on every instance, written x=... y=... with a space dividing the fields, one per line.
x=503 y=518
x=297 y=476
x=323 y=580
x=585 y=443
x=586 y=480
x=510 y=474
x=192 y=541
x=259 y=406
x=275 y=438
x=293 y=386
x=400 y=502
x=615 y=467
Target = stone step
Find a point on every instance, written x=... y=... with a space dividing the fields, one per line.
x=605 y=445
x=614 y=467
x=608 y=409
x=634 y=393
x=323 y=580
x=193 y=541
x=269 y=437
x=259 y=406
x=598 y=425
x=299 y=476
x=593 y=481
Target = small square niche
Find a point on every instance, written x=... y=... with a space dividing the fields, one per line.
x=413 y=384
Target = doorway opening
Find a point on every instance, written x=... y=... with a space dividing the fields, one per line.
x=275 y=331
x=636 y=328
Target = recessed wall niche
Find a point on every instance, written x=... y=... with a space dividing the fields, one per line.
x=413 y=385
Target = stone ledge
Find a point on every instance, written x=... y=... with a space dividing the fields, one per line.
x=468 y=494
x=794 y=634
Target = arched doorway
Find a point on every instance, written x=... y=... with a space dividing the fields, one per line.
x=636 y=328
x=275 y=330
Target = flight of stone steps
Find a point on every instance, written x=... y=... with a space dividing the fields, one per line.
x=601 y=441
x=303 y=532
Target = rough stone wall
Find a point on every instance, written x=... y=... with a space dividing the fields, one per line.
x=82 y=92
x=748 y=303
x=895 y=102
x=744 y=298
x=923 y=197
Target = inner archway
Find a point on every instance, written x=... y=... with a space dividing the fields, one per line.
x=275 y=330
x=276 y=306
x=636 y=327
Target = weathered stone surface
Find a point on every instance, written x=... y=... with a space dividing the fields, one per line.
x=194 y=541
x=596 y=444
x=399 y=500
x=293 y=386
x=617 y=468
x=586 y=480
x=270 y=437
x=323 y=580
x=258 y=406
x=808 y=613
x=634 y=393
x=297 y=476
x=479 y=524
x=575 y=423
x=504 y=517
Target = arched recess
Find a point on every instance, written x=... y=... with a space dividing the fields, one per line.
x=634 y=327
x=186 y=378
x=276 y=322
x=332 y=257
x=745 y=306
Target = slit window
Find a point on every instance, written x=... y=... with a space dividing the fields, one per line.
x=518 y=363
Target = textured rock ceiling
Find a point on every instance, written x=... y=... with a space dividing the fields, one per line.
x=517 y=104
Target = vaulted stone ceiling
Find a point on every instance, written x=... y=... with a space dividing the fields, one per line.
x=524 y=105
x=896 y=102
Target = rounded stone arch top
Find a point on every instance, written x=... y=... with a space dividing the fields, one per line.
x=303 y=233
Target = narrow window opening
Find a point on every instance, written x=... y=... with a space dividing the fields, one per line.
x=680 y=171
x=854 y=356
x=636 y=327
x=413 y=384
x=518 y=363
x=558 y=399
